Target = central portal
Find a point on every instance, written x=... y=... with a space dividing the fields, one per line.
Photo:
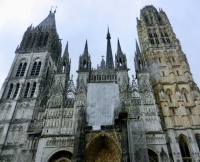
x=103 y=147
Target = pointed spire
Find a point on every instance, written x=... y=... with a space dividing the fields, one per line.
x=108 y=34
x=119 y=50
x=109 y=57
x=86 y=48
x=66 y=53
x=49 y=21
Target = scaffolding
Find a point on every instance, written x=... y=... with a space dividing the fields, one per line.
x=138 y=146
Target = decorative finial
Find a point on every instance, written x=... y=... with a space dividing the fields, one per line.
x=51 y=9
x=71 y=77
x=102 y=57
x=55 y=9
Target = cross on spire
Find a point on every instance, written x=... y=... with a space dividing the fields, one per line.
x=51 y=8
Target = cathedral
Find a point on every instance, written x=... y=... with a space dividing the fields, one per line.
x=106 y=116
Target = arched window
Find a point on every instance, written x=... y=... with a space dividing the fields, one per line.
x=162 y=38
x=36 y=68
x=156 y=38
x=169 y=93
x=151 y=38
x=16 y=90
x=21 y=69
x=33 y=89
x=45 y=39
x=153 y=157
x=167 y=37
x=197 y=136
x=10 y=91
x=184 y=149
x=26 y=90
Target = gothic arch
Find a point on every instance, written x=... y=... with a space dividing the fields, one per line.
x=60 y=155
x=197 y=137
x=153 y=157
x=103 y=147
x=184 y=147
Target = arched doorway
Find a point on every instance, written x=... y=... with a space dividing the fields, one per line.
x=103 y=148
x=61 y=156
x=153 y=157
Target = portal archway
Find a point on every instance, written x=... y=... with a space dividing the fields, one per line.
x=103 y=148
x=153 y=157
x=61 y=156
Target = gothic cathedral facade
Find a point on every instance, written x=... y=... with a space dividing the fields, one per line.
x=108 y=116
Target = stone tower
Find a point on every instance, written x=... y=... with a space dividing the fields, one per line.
x=24 y=96
x=176 y=93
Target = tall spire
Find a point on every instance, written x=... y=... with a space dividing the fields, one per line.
x=86 y=48
x=109 y=57
x=66 y=53
x=119 y=50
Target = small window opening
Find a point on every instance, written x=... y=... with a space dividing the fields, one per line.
x=190 y=110
x=10 y=91
x=156 y=38
x=159 y=59
x=16 y=90
x=170 y=99
x=163 y=73
x=33 y=89
x=173 y=112
x=177 y=72
x=19 y=69
x=27 y=89
x=173 y=59
x=185 y=97
x=23 y=69
x=36 y=69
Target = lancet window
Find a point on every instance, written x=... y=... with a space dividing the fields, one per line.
x=36 y=68
x=16 y=90
x=33 y=89
x=21 y=69
x=151 y=38
x=184 y=92
x=26 y=90
x=184 y=150
x=156 y=38
x=169 y=94
x=10 y=91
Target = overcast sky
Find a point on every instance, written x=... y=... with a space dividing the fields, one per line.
x=78 y=20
